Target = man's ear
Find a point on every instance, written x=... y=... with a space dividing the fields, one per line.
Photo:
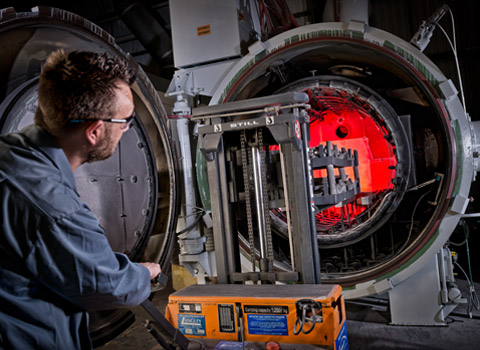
x=94 y=132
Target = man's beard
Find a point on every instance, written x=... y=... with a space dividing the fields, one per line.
x=104 y=150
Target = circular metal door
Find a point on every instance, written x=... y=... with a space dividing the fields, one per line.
x=373 y=92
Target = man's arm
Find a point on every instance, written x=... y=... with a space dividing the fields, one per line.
x=72 y=257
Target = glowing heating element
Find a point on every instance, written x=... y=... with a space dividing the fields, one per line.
x=350 y=117
x=347 y=121
x=350 y=122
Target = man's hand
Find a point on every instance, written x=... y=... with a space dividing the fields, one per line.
x=153 y=268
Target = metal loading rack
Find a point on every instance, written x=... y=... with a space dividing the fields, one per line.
x=257 y=158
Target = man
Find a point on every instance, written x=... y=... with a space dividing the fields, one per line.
x=55 y=261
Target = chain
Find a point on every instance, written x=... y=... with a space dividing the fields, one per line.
x=266 y=205
x=246 y=182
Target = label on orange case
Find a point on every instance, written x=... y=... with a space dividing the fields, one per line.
x=191 y=324
x=266 y=309
x=267 y=324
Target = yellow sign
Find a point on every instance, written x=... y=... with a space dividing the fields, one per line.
x=204 y=30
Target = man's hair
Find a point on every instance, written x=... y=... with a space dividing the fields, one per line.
x=78 y=85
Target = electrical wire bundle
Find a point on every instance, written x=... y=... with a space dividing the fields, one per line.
x=275 y=18
x=453 y=45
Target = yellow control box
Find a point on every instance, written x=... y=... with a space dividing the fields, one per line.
x=297 y=314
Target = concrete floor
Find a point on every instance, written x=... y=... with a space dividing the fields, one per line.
x=367 y=328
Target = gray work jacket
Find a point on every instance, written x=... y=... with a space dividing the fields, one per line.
x=55 y=261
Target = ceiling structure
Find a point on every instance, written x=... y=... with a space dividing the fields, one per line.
x=401 y=18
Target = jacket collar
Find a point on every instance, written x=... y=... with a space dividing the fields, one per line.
x=47 y=144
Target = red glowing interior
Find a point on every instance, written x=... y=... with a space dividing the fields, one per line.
x=350 y=122
x=345 y=120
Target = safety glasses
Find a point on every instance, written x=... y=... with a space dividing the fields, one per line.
x=127 y=121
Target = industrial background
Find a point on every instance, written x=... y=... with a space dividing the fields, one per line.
x=152 y=49
x=144 y=30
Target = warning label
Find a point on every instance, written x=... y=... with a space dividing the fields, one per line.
x=226 y=318
x=265 y=309
x=203 y=30
x=190 y=307
x=267 y=324
x=191 y=324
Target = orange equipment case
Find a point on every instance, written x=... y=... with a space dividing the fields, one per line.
x=261 y=313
